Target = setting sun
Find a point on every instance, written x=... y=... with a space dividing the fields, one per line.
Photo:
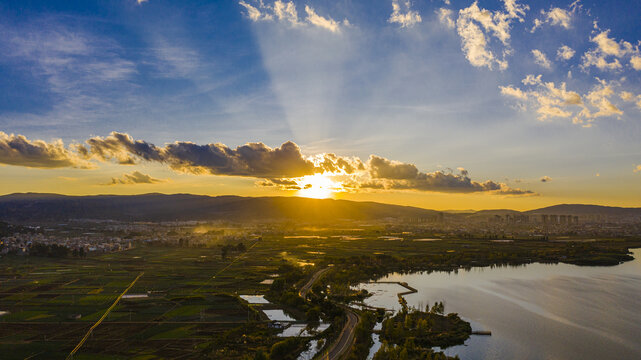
x=317 y=186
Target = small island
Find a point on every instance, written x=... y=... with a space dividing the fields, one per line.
x=412 y=333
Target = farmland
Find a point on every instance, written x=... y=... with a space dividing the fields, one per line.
x=187 y=305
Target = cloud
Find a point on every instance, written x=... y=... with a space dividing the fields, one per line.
x=556 y=101
x=546 y=179
x=541 y=59
x=556 y=17
x=626 y=96
x=445 y=17
x=637 y=169
x=252 y=159
x=599 y=98
x=254 y=13
x=317 y=20
x=610 y=46
x=475 y=25
x=630 y=97
x=135 y=177
x=285 y=12
x=76 y=68
x=606 y=54
x=565 y=52
x=513 y=92
x=141 y=1
x=386 y=174
x=407 y=18
x=284 y=167
x=17 y=150
x=635 y=62
x=549 y=99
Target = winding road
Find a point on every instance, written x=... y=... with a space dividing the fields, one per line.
x=345 y=340
x=308 y=286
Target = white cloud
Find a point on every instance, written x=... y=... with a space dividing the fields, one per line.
x=630 y=97
x=75 y=66
x=445 y=17
x=317 y=20
x=285 y=12
x=598 y=98
x=549 y=100
x=626 y=96
x=141 y=1
x=598 y=60
x=473 y=37
x=609 y=46
x=254 y=13
x=555 y=16
x=407 y=18
x=635 y=61
x=565 y=52
x=513 y=92
x=541 y=59
x=532 y=80
x=606 y=54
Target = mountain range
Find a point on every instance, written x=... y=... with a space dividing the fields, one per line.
x=37 y=207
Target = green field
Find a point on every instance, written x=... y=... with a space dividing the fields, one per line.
x=192 y=309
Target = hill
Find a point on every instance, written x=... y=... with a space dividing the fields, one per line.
x=32 y=207
x=583 y=210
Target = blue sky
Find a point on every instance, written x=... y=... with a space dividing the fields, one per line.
x=510 y=91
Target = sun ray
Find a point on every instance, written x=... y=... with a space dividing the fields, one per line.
x=317 y=186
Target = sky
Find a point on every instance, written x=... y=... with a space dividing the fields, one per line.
x=453 y=104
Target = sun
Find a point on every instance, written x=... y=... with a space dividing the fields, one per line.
x=317 y=186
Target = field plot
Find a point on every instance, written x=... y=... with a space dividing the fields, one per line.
x=177 y=308
x=187 y=304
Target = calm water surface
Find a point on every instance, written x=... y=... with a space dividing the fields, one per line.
x=535 y=311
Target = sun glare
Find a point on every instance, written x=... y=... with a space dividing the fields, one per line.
x=317 y=186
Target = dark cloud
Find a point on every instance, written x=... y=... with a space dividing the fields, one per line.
x=281 y=167
x=135 y=177
x=19 y=151
x=283 y=184
x=392 y=175
x=546 y=179
x=381 y=168
x=252 y=159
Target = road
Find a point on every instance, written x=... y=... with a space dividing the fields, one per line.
x=308 y=286
x=345 y=340
x=104 y=316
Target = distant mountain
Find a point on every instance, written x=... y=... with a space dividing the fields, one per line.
x=32 y=207
x=583 y=210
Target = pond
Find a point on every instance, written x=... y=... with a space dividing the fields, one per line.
x=536 y=311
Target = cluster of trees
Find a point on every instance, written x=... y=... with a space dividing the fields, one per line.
x=428 y=328
x=286 y=349
x=355 y=269
x=53 y=250
x=408 y=350
x=363 y=336
x=226 y=249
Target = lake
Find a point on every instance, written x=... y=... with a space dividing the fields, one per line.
x=536 y=311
